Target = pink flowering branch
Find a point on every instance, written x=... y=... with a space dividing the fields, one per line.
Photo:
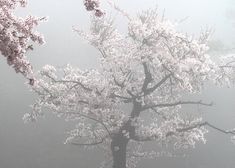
x=93 y=5
x=15 y=36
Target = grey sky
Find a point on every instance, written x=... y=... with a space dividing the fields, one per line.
x=40 y=145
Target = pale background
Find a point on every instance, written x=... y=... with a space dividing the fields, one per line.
x=40 y=145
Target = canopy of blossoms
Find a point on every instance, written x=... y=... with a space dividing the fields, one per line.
x=151 y=69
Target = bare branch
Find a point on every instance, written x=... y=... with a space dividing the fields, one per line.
x=127 y=99
x=87 y=144
x=221 y=130
x=102 y=53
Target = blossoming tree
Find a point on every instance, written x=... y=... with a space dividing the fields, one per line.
x=15 y=36
x=151 y=69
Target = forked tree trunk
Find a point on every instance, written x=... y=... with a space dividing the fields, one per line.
x=118 y=147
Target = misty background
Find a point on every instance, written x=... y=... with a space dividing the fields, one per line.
x=40 y=144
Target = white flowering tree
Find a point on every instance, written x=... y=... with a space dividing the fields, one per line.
x=151 y=69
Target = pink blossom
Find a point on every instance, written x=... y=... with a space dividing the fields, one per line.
x=93 y=5
x=15 y=35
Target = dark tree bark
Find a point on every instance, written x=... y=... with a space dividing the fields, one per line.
x=118 y=147
x=120 y=141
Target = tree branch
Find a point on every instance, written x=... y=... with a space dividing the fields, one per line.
x=185 y=129
x=227 y=65
x=152 y=89
x=87 y=144
x=155 y=111
x=142 y=139
x=121 y=85
x=161 y=105
x=127 y=99
x=148 y=77
x=91 y=118
x=69 y=81
x=232 y=132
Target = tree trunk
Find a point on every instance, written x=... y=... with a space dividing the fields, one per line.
x=120 y=141
x=118 y=147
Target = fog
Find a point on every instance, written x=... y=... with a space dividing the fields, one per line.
x=40 y=144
